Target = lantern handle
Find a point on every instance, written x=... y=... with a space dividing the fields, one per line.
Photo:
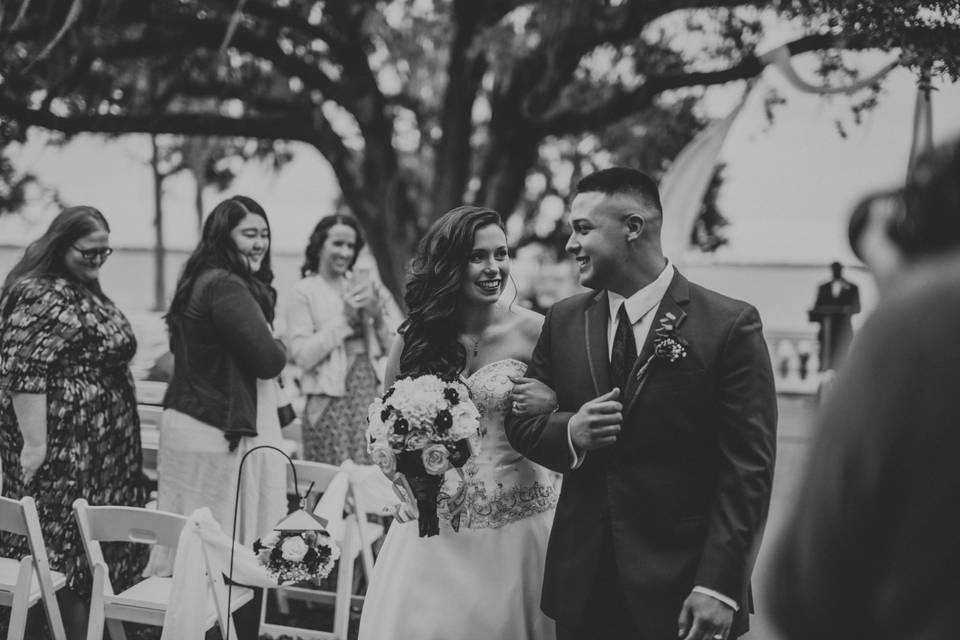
x=236 y=508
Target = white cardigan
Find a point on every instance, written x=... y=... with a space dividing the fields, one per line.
x=317 y=328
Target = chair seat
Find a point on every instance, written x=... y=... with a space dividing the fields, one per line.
x=153 y=594
x=10 y=570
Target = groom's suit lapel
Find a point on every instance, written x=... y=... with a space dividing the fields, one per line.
x=596 y=318
x=670 y=311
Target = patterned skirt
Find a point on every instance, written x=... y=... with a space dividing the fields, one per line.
x=334 y=429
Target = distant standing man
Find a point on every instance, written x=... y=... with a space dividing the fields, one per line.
x=837 y=301
x=665 y=433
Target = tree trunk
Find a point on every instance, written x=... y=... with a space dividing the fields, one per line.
x=389 y=221
x=159 y=249
x=198 y=200
x=379 y=198
x=512 y=153
x=464 y=74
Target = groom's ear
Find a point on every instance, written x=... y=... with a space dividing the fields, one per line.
x=635 y=224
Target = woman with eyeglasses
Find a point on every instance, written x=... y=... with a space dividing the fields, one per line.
x=69 y=426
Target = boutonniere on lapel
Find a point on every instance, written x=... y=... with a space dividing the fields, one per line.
x=668 y=345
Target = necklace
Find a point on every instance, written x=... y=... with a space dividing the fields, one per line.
x=475 y=342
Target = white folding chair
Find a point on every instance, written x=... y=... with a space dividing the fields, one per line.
x=321 y=474
x=342 y=598
x=146 y=601
x=29 y=580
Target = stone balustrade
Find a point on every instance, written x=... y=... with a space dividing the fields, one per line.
x=796 y=361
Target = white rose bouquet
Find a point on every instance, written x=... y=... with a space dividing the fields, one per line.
x=293 y=557
x=420 y=428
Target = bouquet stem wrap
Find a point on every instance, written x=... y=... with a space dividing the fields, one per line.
x=426 y=491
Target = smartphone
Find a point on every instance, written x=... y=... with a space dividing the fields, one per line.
x=360 y=277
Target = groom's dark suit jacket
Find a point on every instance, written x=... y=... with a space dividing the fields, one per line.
x=684 y=491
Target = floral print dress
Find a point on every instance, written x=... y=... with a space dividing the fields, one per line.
x=59 y=339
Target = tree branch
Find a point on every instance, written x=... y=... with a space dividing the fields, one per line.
x=586 y=26
x=408 y=102
x=464 y=74
x=72 y=78
x=288 y=18
x=278 y=127
x=262 y=103
x=621 y=103
x=207 y=34
x=345 y=163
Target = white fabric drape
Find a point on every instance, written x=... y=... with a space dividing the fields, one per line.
x=683 y=186
x=371 y=490
x=204 y=544
x=781 y=59
x=922 y=140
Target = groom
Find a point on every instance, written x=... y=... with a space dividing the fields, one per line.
x=665 y=433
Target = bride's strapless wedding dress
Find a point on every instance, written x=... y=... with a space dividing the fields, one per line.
x=484 y=580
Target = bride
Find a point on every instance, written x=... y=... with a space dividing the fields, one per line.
x=484 y=580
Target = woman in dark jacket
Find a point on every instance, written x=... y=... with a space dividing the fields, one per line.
x=222 y=399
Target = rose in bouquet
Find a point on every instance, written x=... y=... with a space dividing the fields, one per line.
x=292 y=557
x=420 y=428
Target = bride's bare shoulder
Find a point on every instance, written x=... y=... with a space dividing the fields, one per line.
x=527 y=321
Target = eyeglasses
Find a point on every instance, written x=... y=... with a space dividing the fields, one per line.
x=90 y=254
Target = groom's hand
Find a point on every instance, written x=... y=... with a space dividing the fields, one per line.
x=704 y=618
x=597 y=423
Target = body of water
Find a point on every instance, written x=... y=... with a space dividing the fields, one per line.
x=782 y=292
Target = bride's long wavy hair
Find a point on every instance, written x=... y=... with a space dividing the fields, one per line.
x=433 y=292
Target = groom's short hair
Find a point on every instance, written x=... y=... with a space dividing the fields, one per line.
x=622 y=180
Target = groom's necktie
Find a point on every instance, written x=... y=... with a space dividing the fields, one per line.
x=624 y=350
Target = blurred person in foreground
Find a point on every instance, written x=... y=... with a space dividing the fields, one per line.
x=339 y=322
x=222 y=399
x=871 y=548
x=69 y=426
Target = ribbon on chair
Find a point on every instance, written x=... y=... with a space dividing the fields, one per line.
x=203 y=545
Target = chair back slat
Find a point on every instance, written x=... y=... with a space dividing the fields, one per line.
x=11 y=517
x=341 y=615
x=133 y=524
x=20 y=517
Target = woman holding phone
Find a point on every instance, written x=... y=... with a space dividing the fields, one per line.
x=339 y=322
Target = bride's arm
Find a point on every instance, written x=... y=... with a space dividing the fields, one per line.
x=542 y=438
x=531 y=396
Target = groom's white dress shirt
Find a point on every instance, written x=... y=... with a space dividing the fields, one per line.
x=641 y=309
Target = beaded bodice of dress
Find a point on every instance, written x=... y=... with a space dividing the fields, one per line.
x=502 y=485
